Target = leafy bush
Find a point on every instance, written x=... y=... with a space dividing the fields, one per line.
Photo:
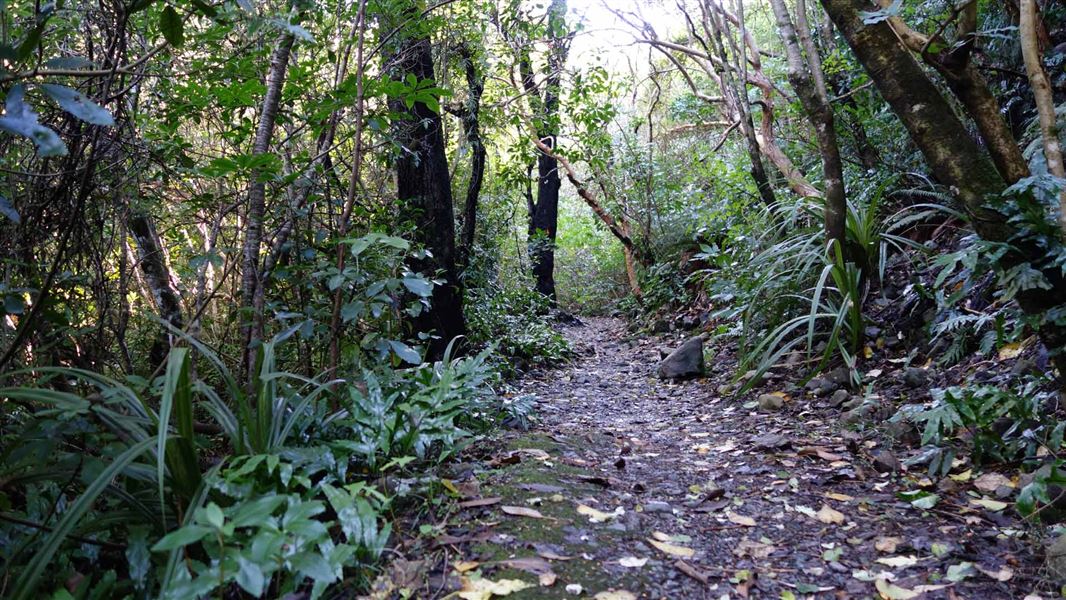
x=516 y=322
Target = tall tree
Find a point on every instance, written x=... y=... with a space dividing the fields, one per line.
x=545 y=96
x=805 y=75
x=424 y=190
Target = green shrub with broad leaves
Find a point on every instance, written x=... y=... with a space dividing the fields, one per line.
x=516 y=322
x=191 y=484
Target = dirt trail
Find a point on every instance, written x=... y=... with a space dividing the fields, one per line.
x=739 y=503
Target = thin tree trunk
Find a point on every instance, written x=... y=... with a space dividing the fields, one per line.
x=1045 y=101
x=157 y=277
x=811 y=91
x=472 y=130
x=250 y=280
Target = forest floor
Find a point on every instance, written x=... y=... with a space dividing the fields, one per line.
x=630 y=487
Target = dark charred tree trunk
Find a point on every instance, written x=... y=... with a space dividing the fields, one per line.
x=544 y=213
x=956 y=159
x=423 y=188
x=153 y=263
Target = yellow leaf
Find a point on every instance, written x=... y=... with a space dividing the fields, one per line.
x=521 y=511
x=466 y=565
x=484 y=589
x=632 y=562
x=829 y=516
x=890 y=591
x=740 y=519
x=868 y=352
x=839 y=497
x=1011 y=350
x=619 y=595
x=898 y=562
x=992 y=505
x=598 y=516
x=964 y=476
x=448 y=485
x=547 y=579
x=887 y=544
x=673 y=550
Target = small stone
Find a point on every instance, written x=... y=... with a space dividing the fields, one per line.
x=839 y=397
x=770 y=441
x=685 y=362
x=771 y=402
x=726 y=389
x=853 y=402
x=657 y=506
x=840 y=376
x=915 y=377
x=885 y=462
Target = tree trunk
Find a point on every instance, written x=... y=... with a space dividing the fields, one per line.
x=425 y=196
x=811 y=91
x=1045 y=101
x=956 y=159
x=472 y=130
x=253 y=234
x=157 y=278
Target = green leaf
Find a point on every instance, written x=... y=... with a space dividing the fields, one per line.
x=138 y=557
x=172 y=27
x=250 y=577
x=20 y=120
x=78 y=104
x=26 y=585
x=213 y=515
x=256 y=512
x=419 y=286
x=13 y=304
x=405 y=352
x=190 y=534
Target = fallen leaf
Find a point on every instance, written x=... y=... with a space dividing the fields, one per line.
x=632 y=562
x=961 y=477
x=990 y=482
x=753 y=549
x=672 y=549
x=992 y=505
x=890 y=591
x=598 y=516
x=574 y=588
x=533 y=564
x=957 y=573
x=740 y=519
x=484 y=589
x=829 y=456
x=618 y=595
x=887 y=544
x=1011 y=350
x=666 y=537
x=448 y=485
x=829 y=516
x=548 y=554
x=479 y=502
x=899 y=562
x=839 y=497
x=1003 y=574
x=466 y=565
x=547 y=579
x=522 y=511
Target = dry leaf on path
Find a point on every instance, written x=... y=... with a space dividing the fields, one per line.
x=740 y=519
x=672 y=549
x=547 y=579
x=887 y=544
x=532 y=564
x=632 y=562
x=899 y=562
x=479 y=502
x=890 y=591
x=992 y=505
x=615 y=595
x=598 y=516
x=1003 y=574
x=990 y=482
x=829 y=516
x=466 y=565
x=485 y=589
x=521 y=511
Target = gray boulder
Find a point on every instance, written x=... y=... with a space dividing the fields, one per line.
x=685 y=362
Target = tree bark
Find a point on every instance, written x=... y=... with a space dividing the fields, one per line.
x=471 y=115
x=810 y=88
x=956 y=159
x=158 y=279
x=425 y=197
x=250 y=280
x=1045 y=101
